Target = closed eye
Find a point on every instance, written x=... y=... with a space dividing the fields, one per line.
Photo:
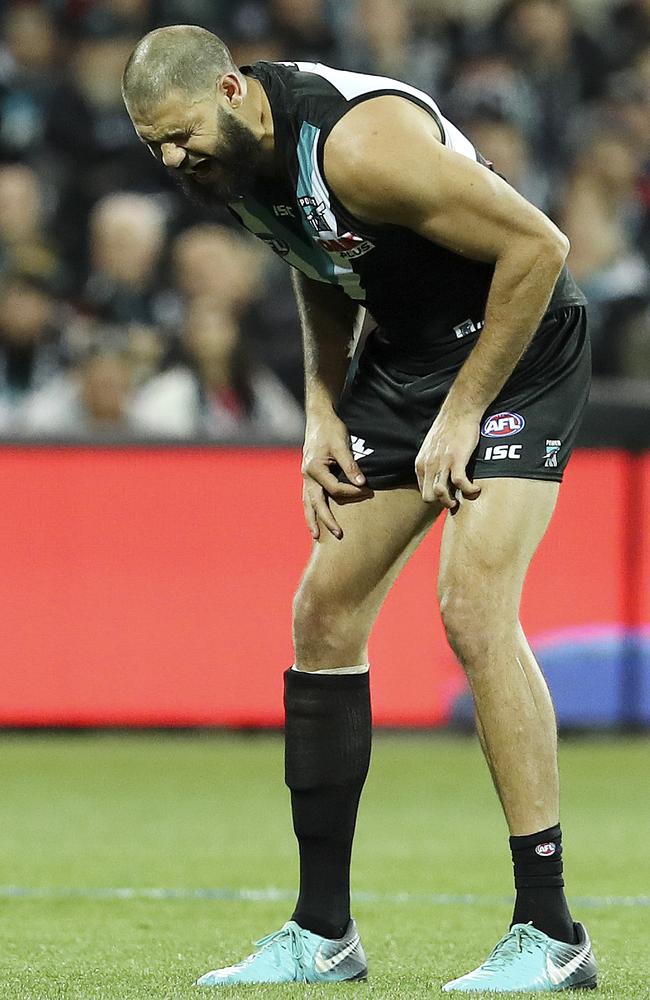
x=178 y=138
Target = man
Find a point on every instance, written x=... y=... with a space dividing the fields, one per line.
x=466 y=398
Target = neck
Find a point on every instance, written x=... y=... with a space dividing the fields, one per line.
x=263 y=117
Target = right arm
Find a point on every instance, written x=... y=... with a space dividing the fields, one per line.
x=329 y=321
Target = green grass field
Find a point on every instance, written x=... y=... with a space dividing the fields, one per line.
x=86 y=813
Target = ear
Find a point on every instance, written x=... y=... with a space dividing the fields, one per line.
x=232 y=87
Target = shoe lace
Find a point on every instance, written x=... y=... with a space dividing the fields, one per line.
x=288 y=938
x=522 y=937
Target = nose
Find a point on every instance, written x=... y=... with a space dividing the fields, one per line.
x=172 y=155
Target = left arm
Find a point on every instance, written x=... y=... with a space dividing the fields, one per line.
x=459 y=204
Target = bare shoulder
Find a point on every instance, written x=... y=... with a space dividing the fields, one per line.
x=386 y=163
x=375 y=143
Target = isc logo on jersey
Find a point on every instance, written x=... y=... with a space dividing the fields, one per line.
x=502 y=425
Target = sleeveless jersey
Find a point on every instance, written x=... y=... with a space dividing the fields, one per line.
x=426 y=299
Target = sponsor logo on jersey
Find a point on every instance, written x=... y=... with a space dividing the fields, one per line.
x=552 y=449
x=278 y=246
x=497 y=451
x=358 y=251
x=546 y=850
x=469 y=326
x=317 y=220
x=283 y=210
x=347 y=244
x=503 y=425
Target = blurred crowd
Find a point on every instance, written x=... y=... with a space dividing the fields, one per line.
x=125 y=311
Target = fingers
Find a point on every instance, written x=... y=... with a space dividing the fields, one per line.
x=459 y=479
x=321 y=473
x=317 y=510
x=435 y=487
x=464 y=486
x=350 y=467
x=326 y=446
x=434 y=484
x=310 y=516
x=443 y=486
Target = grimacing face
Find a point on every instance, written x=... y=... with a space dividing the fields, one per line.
x=211 y=152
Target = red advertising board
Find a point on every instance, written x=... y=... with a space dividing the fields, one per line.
x=640 y=497
x=153 y=586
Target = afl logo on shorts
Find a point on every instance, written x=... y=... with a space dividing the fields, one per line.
x=545 y=850
x=502 y=425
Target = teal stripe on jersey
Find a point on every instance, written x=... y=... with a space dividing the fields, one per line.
x=310 y=184
x=300 y=254
x=304 y=188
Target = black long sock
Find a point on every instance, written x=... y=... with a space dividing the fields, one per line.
x=537 y=861
x=327 y=754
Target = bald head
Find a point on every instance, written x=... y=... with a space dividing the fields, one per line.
x=183 y=59
x=208 y=124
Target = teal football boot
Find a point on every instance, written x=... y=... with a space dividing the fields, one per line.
x=528 y=961
x=294 y=955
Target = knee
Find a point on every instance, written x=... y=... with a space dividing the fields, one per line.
x=326 y=628
x=315 y=613
x=477 y=623
x=457 y=613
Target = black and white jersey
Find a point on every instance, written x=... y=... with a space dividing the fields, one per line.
x=417 y=291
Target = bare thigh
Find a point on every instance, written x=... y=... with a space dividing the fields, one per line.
x=346 y=581
x=485 y=554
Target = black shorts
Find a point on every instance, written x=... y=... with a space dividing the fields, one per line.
x=527 y=433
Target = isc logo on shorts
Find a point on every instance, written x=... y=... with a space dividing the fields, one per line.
x=503 y=425
x=495 y=451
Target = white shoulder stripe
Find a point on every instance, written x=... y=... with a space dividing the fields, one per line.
x=352 y=85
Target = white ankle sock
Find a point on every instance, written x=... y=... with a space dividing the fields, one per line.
x=362 y=668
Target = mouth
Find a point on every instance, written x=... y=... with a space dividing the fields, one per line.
x=210 y=183
x=202 y=171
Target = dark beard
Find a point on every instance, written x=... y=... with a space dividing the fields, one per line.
x=237 y=164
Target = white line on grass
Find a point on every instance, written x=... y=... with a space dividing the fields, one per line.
x=282 y=895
